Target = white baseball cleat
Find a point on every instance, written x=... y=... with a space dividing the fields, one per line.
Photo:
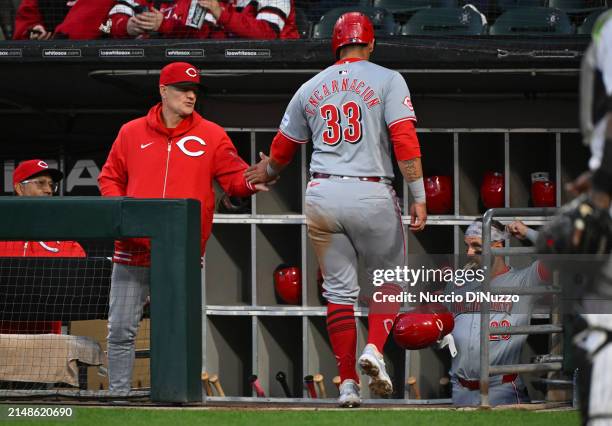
x=372 y=363
x=349 y=394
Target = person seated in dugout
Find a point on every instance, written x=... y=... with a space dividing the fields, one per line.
x=34 y=178
x=266 y=19
x=504 y=349
x=60 y=19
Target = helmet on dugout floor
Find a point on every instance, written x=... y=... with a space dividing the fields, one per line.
x=288 y=284
x=352 y=28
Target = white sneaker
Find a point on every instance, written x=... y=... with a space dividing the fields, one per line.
x=349 y=394
x=372 y=363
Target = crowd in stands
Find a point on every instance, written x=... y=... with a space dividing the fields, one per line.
x=288 y=19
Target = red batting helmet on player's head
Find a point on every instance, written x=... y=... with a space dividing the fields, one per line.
x=288 y=284
x=352 y=28
x=492 y=190
x=439 y=193
x=422 y=327
x=542 y=190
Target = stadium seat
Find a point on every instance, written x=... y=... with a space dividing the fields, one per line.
x=408 y=6
x=504 y=5
x=445 y=21
x=587 y=25
x=578 y=6
x=532 y=21
x=383 y=22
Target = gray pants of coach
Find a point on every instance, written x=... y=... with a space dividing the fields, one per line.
x=128 y=294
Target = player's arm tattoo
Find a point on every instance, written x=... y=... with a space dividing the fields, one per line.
x=411 y=169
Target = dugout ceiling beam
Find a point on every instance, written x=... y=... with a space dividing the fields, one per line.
x=35 y=76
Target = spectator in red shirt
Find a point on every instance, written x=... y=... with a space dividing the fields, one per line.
x=34 y=178
x=158 y=19
x=263 y=19
x=73 y=19
x=266 y=19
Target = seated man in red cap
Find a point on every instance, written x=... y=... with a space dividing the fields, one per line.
x=34 y=178
x=172 y=152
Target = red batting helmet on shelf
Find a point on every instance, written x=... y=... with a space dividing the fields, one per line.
x=422 y=327
x=288 y=284
x=542 y=190
x=492 y=190
x=439 y=192
x=352 y=28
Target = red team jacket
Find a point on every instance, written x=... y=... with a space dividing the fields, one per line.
x=37 y=249
x=82 y=21
x=147 y=160
x=264 y=19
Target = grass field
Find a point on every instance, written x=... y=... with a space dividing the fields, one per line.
x=382 y=417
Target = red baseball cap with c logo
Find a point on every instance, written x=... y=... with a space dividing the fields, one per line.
x=30 y=168
x=180 y=74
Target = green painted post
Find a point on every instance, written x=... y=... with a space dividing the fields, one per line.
x=174 y=229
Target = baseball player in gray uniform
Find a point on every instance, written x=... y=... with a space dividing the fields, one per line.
x=355 y=113
x=504 y=349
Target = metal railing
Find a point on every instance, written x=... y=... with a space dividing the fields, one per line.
x=488 y=254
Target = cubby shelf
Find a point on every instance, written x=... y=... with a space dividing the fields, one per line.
x=247 y=331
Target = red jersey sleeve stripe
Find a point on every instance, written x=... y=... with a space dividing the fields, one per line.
x=399 y=120
x=283 y=149
x=405 y=141
x=292 y=139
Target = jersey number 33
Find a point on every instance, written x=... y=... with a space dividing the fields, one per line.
x=342 y=123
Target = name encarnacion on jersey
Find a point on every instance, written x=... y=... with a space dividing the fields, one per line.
x=368 y=95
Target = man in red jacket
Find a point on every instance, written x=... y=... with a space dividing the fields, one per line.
x=34 y=178
x=172 y=152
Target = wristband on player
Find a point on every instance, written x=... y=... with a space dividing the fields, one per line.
x=271 y=171
x=417 y=189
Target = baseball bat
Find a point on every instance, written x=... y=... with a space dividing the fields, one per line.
x=282 y=379
x=309 y=382
x=412 y=382
x=207 y=387
x=336 y=381
x=254 y=381
x=214 y=379
x=318 y=379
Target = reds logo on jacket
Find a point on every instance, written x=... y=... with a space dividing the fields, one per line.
x=148 y=160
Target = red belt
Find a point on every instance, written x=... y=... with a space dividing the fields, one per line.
x=475 y=384
x=364 y=178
